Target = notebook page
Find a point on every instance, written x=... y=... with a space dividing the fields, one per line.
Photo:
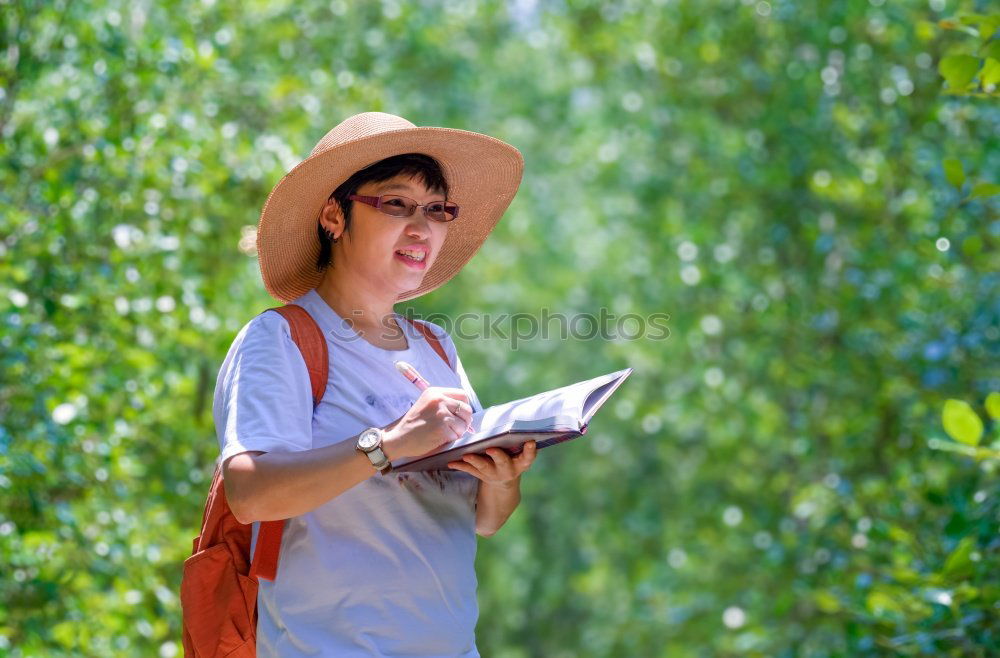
x=606 y=385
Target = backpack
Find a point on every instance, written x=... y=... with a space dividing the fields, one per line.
x=219 y=581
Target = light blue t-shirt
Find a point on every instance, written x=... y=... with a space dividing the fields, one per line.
x=387 y=567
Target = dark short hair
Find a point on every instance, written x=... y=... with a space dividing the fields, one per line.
x=417 y=165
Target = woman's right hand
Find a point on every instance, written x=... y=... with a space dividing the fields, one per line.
x=438 y=416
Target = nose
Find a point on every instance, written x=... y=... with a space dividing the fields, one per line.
x=418 y=225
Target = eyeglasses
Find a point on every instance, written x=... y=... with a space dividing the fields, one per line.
x=401 y=206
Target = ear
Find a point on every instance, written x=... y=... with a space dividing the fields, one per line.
x=332 y=218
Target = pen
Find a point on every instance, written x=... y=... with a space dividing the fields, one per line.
x=411 y=373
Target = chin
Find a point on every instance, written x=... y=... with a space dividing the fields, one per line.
x=410 y=282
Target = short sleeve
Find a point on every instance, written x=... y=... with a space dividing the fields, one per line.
x=452 y=352
x=263 y=398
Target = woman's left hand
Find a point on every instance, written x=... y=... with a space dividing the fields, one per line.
x=496 y=466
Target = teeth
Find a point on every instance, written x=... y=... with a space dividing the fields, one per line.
x=414 y=255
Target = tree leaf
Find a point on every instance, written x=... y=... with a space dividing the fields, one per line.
x=988 y=26
x=958 y=70
x=980 y=190
x=991 y=49
x=953 y=171
x=827 y=601
x=959 y=561
x=990 y=75
x=961 y=422
x=993 y=405
x=987 y=23
x=971 y=19
x=878 y=603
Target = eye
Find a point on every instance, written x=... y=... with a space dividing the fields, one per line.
x=394 y=202
x=436 y=207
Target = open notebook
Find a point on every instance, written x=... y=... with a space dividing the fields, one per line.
x=548 y=418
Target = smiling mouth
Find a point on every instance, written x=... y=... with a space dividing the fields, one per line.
x=415 y=256
x=413 y=259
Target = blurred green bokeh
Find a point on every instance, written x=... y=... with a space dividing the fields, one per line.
x=794 y=184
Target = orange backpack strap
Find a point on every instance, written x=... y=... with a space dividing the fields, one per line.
x=432 y=339
x=311 y=342
x=309 y=337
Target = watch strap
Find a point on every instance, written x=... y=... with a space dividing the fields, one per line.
x=379 y=460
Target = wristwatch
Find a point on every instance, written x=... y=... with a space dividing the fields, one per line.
x=370 y=443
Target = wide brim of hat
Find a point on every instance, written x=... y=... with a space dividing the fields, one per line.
x=483 y=174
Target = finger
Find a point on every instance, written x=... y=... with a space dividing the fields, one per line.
x=504 y=464
x=456 y=409
x=467 y=417
x=527 y=456
x=461 y=410
x=455 y=393
x=465 y=468
x=456 y=427
x=482 y=463
x=500 y=457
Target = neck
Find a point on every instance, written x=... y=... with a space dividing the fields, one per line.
x=354 y=299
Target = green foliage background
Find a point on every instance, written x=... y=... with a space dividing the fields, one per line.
x=775 y=479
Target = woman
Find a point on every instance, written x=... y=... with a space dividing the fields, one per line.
x=372 y=563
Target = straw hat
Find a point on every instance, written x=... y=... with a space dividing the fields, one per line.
x=483 y=173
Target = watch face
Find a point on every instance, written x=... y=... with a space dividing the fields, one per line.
x=368 y=440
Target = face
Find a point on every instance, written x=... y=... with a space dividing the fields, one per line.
x=370 y=251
